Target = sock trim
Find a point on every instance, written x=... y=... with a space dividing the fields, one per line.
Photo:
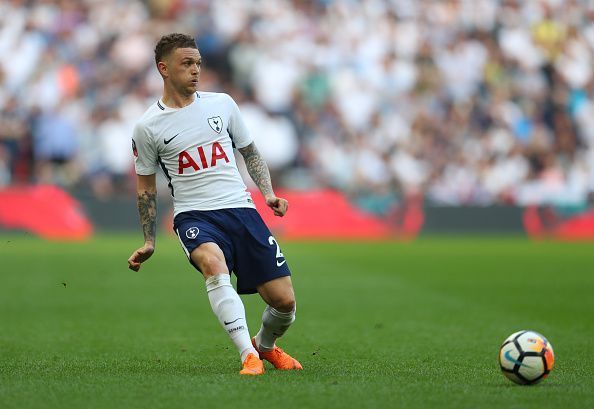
x=280 y=314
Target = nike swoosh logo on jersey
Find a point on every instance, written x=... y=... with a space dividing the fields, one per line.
x=231 y=322
x=281 y=263
x=166 y=141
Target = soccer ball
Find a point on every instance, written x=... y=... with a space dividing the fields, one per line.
x=526 y=357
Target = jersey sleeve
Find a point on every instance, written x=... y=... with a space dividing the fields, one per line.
x=143 y=148
x=237 y=129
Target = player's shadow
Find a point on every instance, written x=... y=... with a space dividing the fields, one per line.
x=510 y=385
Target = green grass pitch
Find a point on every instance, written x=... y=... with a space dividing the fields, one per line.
x=379 y=325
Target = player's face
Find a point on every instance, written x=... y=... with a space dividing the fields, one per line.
x=184 y=69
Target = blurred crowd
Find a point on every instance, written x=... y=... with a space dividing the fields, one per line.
x=459 y=102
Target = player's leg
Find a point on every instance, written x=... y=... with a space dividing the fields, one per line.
x=261 y=267
x=226 y=304
x=279 y=313
x=278 y=316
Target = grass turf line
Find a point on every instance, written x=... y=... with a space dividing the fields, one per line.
x=381 y=324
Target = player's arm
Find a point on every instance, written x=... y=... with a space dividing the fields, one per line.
x=147 y=209
x=260 y=174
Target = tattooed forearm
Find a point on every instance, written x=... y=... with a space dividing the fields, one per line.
x=147 y=208
x=257 y=168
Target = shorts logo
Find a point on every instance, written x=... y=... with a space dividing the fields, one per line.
x=192 y=232
x=216 y=123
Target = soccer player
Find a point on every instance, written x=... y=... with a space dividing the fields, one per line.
x=191 y=136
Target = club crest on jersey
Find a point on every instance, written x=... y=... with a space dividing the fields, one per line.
x=192 y=232
x=216 y=123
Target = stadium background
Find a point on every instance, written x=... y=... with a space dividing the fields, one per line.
x=466 y=112
x=380 y=119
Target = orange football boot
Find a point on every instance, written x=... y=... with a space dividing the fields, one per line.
x=279 y=358
x=252 y=366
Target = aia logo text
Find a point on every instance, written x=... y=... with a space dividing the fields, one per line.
x=202 y=158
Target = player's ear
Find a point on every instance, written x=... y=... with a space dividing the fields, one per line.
x=163 y=70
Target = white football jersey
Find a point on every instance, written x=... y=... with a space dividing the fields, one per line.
x=193 y=146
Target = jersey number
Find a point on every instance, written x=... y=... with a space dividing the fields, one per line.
x=279 y=253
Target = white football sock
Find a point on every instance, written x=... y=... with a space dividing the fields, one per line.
x=274 y=324
x=228 y=308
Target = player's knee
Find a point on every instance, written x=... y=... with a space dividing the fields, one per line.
x=284 y=304
x=213 y=267
x=210 y=264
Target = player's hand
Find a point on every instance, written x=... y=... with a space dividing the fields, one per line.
x=140 y=256
x=278 y=204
